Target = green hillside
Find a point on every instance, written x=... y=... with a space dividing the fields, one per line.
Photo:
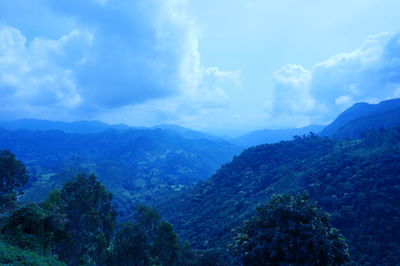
x=10 y=255
x=139 y=165
x=358 y=182
x=362 y=117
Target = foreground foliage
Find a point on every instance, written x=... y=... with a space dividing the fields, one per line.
x=10 y=255
x=78 y=224
x=13 y=175
x=89 y=220
x=29 y=227
x=289 y=229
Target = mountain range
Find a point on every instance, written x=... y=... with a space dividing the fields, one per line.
x=137 y=165
x=349 y=124
x=273 y=135
x=362 y=117
x=207 y=186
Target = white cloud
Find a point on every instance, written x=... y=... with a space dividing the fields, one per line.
x=31 y=75
x=317 y=95
x=122 y=56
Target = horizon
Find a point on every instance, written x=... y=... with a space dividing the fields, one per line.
x=233 y=135
x=225 y=67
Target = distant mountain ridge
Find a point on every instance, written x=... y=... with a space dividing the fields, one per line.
x=354 y=129
x=94 y=126
x=186 y=132
x=84 y=126
x=269 y=136
x=137 y=165
x=362 y=117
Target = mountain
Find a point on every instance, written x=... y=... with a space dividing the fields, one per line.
x=88 y=127
x=137 y=165
x=186 y=132
x=355 y=128
x=84 y=127
x=362 y=117
x=357 y=181
x=273 y=135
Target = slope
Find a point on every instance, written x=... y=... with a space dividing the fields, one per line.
x=136 y=165
x=354 y=128
x=264 y=136
x=357 y=111
x=357 y=181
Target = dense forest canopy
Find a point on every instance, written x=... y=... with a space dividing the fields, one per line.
x=356 y=181
x=78 y=226
x=136 y=164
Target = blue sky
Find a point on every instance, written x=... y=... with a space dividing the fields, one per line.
x=223 y=66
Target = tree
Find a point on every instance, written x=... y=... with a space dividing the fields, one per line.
x=290 y=229
x=148 y=219
x=29 y=228
x=13 y=175
x=166 y=244
x=146 y=240
x=11 y=255
x=131 y=246
x=89 y=218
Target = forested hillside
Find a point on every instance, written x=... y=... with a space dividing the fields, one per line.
x=357 y=181
x=362 y=117
x=356 y=127
x=77 y=225
x=265 y=136
x=136 y=165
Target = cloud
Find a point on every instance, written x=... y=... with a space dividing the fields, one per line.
x=317 y=95
x=93 y=58
x=32 y=76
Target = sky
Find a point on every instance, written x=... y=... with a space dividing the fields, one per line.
x=220 y=66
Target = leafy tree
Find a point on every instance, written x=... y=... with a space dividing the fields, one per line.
x=211 y=257
x=53 y=202
x=89 y=221
x=146 y=240
x=29 y=228
x=131 y=246
x=13 y=175
x=10 y=255
x=166 y=244
x=290 y=229
x=148 y=219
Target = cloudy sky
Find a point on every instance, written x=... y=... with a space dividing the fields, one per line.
x=222 y=66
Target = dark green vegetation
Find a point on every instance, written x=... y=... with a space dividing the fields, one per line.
x=356 y=181
x=264 y=136
x=11 y=255
x=77 y=226
x=362 y=117
x=290 y=230
x=13 y=175
x=356 y=127
x=139 y=165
